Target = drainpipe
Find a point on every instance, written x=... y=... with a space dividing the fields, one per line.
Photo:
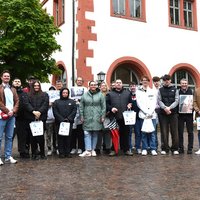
x=73 y=42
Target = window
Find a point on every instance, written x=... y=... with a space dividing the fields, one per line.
x=59 y=12
x=177 y=76
x=183 y=14
x=130 y=9
x=126 y=74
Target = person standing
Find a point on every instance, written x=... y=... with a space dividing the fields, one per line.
x=185 y=116
x=117 y=101
x=197 y=110
x=9 y=103
x=64 y=110
x=146 y=101
x=77 y=138
x=20 y=131
x=36 y=105
x=92 y=111
x=168 y=99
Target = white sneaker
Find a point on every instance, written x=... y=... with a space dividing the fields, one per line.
x=139 y=151
x=93 y=153
x=163 y=152
x=1 y=162
x=10 y=160
x=57 y=152
x=144 y=152
x=73 y=151
x=49 y=153
x=85 y=154
x=197 y=152
x=176 y=153
x=154 y=153
x=79 y=151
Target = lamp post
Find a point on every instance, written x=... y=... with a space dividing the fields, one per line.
x=101 y=76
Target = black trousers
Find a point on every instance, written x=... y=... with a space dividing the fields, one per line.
x=124 y=135
x=169 y=123
x=188 y=120
x=77 y=138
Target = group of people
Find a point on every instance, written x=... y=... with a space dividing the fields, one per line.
x=86 y=110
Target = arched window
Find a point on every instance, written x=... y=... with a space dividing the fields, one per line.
x=126 y=74
x=62 y=76
x=178 y=75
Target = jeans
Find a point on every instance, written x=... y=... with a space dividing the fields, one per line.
x=199 y=138
x=90 y=138
x=149 y=139
x=7 y=126
x=138 y=135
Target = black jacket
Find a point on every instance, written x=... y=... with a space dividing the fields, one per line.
x=38 y=102
x=118 y=99
x=64 y=110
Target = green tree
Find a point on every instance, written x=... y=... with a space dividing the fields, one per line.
x=27 y=39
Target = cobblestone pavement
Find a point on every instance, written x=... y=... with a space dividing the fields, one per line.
x=170 y=177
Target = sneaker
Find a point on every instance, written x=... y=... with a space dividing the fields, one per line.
x=10 y=160
x=176 y=153
x=85 y=154
x=73 y=151
x=79 y=151
x=1 y=162
x=144 y=152
x=197 y=152
x=57 y=152
x=112 y=153
x=128 y=153
x=49 y=153
x=93 y=153
x=139 y=151
x=163 y=152
x=154 y=153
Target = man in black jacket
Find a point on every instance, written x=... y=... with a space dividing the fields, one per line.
x=168 y=101
x=117 y=101
x=185 y=116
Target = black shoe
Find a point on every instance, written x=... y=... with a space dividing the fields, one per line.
x=68 y=156
x=61 y=156
x=189 y=151
x=43 y=157
x=98 y=151
x=128 y=153
x=24 y=155
x=181 y=151
x=35 y=157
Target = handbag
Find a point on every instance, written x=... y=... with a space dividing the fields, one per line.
x=129 y=117
x=106 y=122
x=37 y=128
x=147 y=126
x=64 y=129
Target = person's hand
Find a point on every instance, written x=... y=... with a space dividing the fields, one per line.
x=10 y=113
x=167 y=110
x=114 y=110
x=102 y=119
x=129 y=106
x=82 y=120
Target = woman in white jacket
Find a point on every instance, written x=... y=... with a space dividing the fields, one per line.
x=146 y=101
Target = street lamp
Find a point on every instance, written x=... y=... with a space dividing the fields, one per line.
x=101 y=76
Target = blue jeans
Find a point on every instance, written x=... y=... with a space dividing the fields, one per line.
x=7 y=127
x=90 y=138
x=151 y=137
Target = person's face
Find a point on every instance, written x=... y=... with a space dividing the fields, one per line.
x=156 y=84
x=5 y=78
x=36 y=87
x=103 y=87
x=59 y=85
x=79 y=81
x=166 y=82
x=118 y=84
x=17 y=83
x=184 y=85
x=132 y=88
x=93 y=86
x=65 y=93
x=145 y=82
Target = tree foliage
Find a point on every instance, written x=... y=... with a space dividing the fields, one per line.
x=27 y=39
